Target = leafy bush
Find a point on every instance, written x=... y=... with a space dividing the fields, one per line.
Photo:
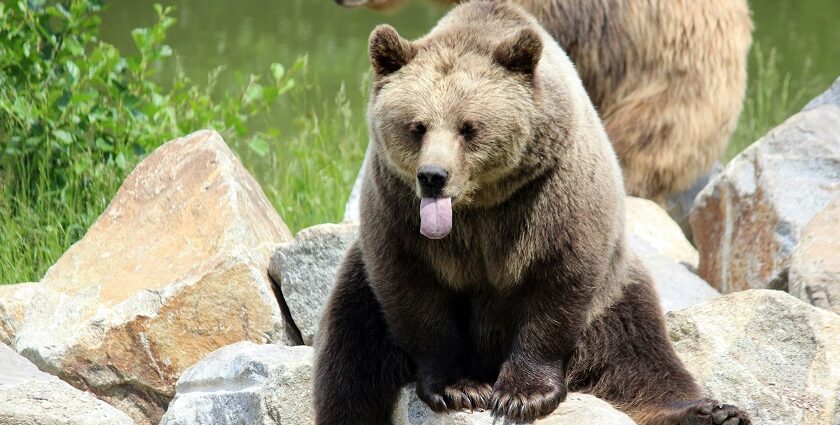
x=76 y=114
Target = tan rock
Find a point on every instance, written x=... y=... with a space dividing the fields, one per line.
x=748 y=221
x=13 y=301
x=765 y=351
x=815 y=269
x=649 y=222
x=175 y=268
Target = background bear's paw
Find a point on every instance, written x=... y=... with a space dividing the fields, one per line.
x=464 y=394
x=712 y=412
x=526 y=401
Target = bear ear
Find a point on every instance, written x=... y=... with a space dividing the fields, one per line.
x=520 y=53
x=388 y=51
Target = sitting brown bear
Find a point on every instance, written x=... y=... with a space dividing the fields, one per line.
x=667 y=77
x=512 y=284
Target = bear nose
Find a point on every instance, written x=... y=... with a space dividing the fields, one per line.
x=432 y=179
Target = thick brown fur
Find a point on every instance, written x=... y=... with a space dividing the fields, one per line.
x=533 y=293
x=667 y=76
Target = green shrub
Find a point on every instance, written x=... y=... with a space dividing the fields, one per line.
x=76 y=115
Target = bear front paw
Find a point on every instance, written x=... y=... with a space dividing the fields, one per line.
x=526 y=399
x=463 y=394
x=712 y=412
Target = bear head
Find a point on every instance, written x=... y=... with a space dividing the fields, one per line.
x=455 y=114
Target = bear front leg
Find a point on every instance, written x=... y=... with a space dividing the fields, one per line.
x=532 y=380
x=420 y=315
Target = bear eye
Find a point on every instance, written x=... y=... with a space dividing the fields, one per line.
x=417 y=128
x=467 y=130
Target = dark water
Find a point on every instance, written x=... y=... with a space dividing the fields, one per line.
x=248 y=35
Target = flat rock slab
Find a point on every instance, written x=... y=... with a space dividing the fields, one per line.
x=578 y=409
x=748 y=221
x=175 y=268
x=31 y=397
x=766 y=352
x=306 y=268
x=247 y=384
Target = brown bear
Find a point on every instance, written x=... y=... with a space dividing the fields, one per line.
x=492 y=266
x=667 y=77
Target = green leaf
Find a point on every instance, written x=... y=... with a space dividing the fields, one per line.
x=278 y=71
x=63 y=136
x=103 y=145
x=254 y=92
x=73 y=70
x=259 y=146
x=120 y=161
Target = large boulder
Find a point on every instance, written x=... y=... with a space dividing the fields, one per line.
x=246 y=384
x=305 y=270
x=175 y=268
x=13 y=301
x=31 y=397
x=578 y=409
x=748 y=221
x=815 y=268
x=765 y=351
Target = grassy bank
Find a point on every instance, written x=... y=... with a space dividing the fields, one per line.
x=76 y=115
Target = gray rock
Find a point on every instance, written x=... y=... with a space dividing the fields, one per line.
x=13 y=301
x=578 y=409
x=815 y=269
x=305 y=270
x=31 y=397
x=351 y=208
x=764 y=351
x=247 y=384
x=829 y=97
x=748 y=221
x=676 y=285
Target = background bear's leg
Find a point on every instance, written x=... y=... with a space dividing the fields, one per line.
x=625 y=357
x=358 y=370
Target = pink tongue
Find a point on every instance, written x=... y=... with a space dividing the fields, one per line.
x=435 y=217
